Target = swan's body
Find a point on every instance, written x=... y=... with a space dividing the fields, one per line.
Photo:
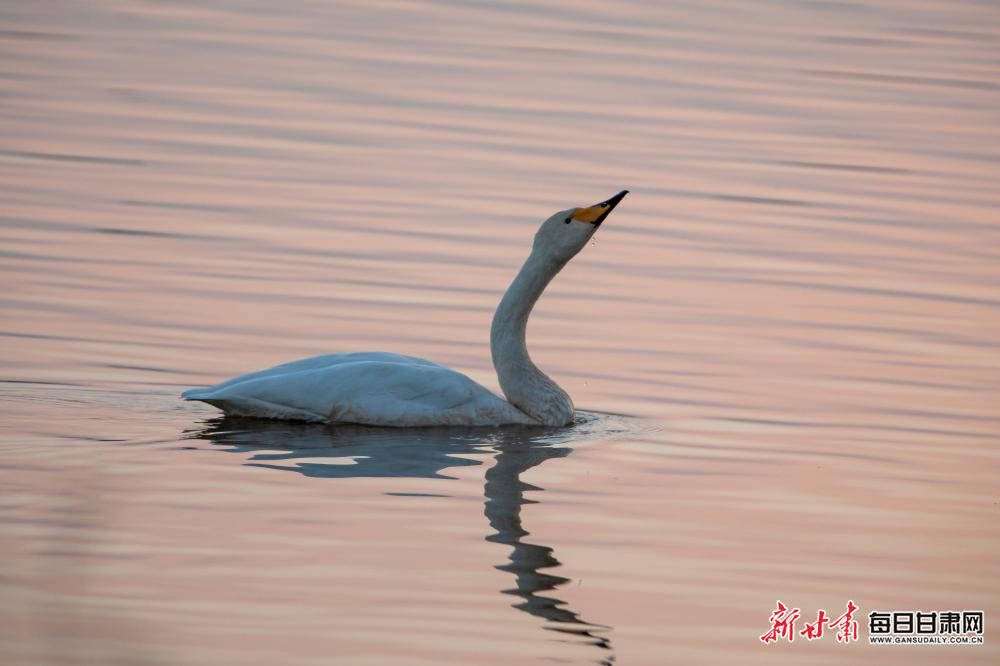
x=375 y=388
x=378 y=388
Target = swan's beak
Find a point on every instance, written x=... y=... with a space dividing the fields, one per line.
x=596 y=213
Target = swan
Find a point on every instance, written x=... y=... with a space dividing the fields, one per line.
x=384 y=389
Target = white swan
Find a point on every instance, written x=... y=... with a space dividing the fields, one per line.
x=378 y=388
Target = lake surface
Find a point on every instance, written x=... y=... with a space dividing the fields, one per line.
x=784 y=340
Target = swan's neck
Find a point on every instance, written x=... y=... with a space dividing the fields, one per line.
x=526 y=387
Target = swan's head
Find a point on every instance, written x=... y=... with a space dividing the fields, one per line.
x=567 y=232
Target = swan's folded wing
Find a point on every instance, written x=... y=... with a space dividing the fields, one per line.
x=371 y=388
x=319 y=363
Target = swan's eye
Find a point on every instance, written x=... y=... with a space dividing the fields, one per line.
x=567 y=220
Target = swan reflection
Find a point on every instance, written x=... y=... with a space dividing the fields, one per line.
x=369 y=452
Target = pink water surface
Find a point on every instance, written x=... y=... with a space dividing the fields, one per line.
x=785 y=338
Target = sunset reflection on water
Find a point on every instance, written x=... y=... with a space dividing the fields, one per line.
x=785 y=337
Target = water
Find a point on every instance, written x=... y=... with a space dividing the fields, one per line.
x=795 y=313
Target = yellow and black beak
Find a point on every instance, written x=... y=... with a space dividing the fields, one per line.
x=596 y=213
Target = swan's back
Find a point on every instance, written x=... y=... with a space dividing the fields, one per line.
x=374 y=388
